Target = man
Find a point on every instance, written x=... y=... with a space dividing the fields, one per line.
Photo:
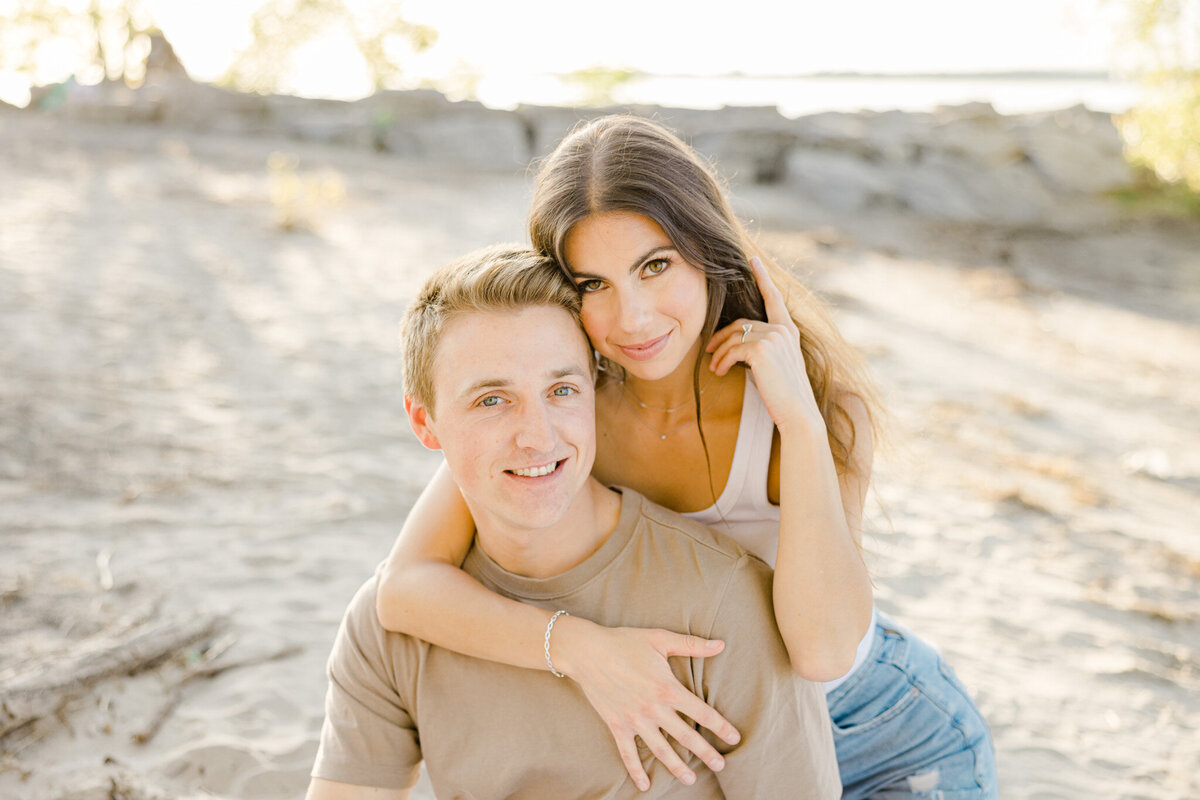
x=499 y=376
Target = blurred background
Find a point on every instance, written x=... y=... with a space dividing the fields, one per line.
x=213 y=215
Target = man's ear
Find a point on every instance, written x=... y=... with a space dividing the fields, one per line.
x=421 y=421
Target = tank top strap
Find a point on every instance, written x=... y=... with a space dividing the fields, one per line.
x=747 y=485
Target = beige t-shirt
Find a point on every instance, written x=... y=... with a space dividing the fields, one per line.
x=488 y=730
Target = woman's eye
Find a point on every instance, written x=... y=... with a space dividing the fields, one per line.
x=564 y=391
x=590 y=285
x=656 y=267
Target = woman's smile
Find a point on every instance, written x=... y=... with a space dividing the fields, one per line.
x=646 y=350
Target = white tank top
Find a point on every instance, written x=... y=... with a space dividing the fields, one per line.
x=744 y=512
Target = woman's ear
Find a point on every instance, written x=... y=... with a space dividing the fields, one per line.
x=421 y=422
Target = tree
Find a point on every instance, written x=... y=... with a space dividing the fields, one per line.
x=91 y=39
x=1163 y=133
x=281 y=27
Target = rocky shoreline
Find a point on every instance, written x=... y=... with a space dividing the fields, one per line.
x=959 y=163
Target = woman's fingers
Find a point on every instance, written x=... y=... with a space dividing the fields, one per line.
x=663 y=751
x=772 y=298
x=707 y=717
x=687 y=736
x=691 y=706
x=737 y=343
x=688 y=645
x=628 y=680
x=633 y=764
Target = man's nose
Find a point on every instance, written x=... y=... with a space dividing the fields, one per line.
x=535 y=431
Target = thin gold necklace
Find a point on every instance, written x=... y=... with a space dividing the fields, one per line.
x=654 y=430
x=691 y=398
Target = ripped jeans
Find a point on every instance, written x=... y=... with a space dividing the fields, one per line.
x=904 y=727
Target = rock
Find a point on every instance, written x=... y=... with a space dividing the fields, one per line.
x=982 y=140
x=978 y=111
x=898 y=136
x=107 y=101
x=1012 y=194
x=938 y=187
x=1078 y=151
x=547 y=125
x=162 y=58
x=326 y=121
x=833 y=129
x=947 y=187
x=472 y=137
x=749 y=154
x=837 y=180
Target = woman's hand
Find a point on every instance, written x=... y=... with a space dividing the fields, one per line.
x=772 y=351
x=625 y=675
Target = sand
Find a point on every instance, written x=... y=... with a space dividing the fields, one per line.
x=201 y=425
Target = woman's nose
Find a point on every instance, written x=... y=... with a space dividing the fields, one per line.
x=633 y=311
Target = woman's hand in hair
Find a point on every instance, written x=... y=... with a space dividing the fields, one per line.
x=771 y=350
x=626 y=677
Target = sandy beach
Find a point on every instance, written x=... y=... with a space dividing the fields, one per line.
x=202 y=443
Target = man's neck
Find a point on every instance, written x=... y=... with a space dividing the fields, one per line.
x=546 y=552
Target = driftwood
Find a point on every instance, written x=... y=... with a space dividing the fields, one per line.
x=120 y=784
x=205 y=670
x=44 y=687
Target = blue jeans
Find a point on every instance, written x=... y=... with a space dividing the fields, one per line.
x=904 y=726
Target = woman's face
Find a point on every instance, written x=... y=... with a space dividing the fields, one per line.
x=643 y=305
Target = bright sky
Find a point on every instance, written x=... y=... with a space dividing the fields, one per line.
x=768 y=36
x=520 y=39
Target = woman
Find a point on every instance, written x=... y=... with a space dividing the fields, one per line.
x=725 y=398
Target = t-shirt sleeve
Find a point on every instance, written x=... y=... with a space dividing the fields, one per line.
x=369 y=737
x=786 y=748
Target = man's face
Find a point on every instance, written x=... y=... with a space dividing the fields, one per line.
x=514 y=413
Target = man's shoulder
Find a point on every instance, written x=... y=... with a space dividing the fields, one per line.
x=707 y=542
x=360 y=616
x=361 y=632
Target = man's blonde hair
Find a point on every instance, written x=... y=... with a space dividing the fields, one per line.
x=497 y=278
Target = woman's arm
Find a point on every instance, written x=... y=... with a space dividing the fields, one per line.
x=822 y=592
x=623 y=671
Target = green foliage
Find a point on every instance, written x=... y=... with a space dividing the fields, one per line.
x=280 y=27
x=1162 y=134
x=599 y=84
x=92 y=39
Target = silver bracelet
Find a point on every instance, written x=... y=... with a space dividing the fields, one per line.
x=549 y=628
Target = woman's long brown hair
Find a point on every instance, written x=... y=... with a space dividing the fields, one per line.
x=627 y=163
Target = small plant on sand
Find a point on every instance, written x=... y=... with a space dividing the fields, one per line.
x=301 y=199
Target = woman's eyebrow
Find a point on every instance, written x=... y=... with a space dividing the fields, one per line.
x=637 y=262
x=653 y=251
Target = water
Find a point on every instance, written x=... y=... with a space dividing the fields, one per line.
x=796 y=96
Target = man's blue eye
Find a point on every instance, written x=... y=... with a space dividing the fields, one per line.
x=563 y=391
x=489 y=401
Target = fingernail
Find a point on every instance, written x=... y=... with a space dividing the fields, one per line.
x=689 y=779
x=643 y=785
x=717 y=764
x=737 y=737
x=712 y=644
